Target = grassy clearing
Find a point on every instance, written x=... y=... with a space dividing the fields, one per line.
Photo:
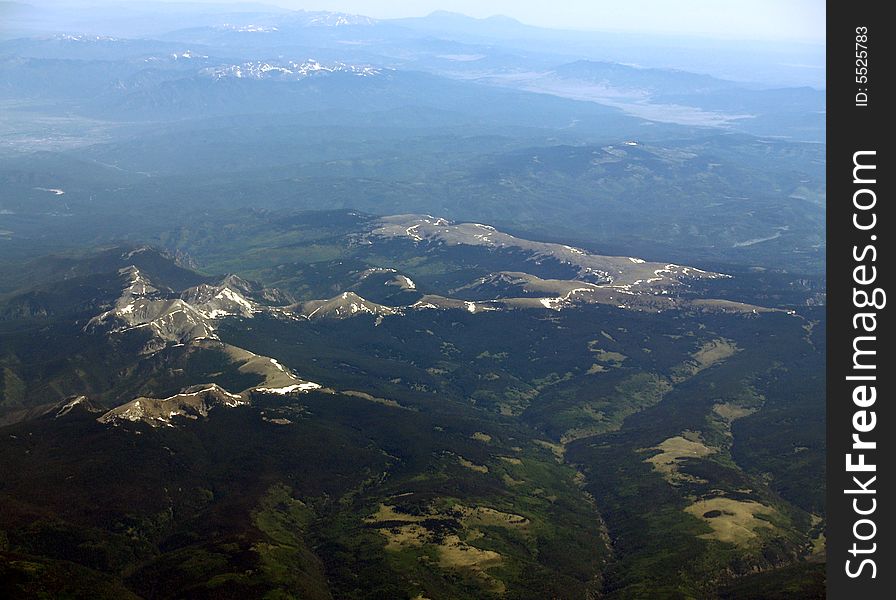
x=374 y=399
x=709 y=354
x=714 y=351
x=447 y=533
x=386 y=512
x=486 y=516
x=731 y=412
x=673 y=451
x=612 y=359
x=732 y=521
x=471 y=465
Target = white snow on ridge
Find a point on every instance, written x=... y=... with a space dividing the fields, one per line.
x=175 y=317
x=328 y=19
x=67 y=408
x=290 y=71
x=305 y=386
x=229 y=294
x=248 y=28
x=54 y=191
x=186 y=404
x=188 y=54
x=413 y=236
x=67 y=37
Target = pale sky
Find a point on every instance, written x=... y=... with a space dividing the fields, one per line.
x=795 y=20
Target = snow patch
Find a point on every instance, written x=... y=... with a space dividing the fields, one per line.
x=305 y=386
x=54 y=191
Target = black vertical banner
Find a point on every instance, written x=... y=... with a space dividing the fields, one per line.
x=861 y=375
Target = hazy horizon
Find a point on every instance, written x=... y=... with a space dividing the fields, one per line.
x=800 y=21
